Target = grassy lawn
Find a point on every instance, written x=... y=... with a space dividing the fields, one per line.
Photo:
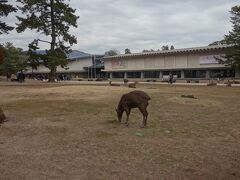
x=71 y=132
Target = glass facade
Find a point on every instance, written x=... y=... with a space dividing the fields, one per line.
x=118 y=75
x=225 y=73
x=151 y=74
x=201 y=74
x=134 y=74
x=195 y=73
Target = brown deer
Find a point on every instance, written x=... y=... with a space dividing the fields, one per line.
x=134 y=99
x=132 y=85
x=111 y=84
x=229 y=84
x=2 y=116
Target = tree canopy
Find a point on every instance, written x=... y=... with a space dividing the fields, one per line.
x=15 y=59
x=127 y=51
x=112 y=52
x=52 y=18
x=232 y=56
x=172 y=47
x=164 y=48
x=5 y=10
x=146 y=50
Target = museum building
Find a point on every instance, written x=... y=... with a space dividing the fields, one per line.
x=187 y=63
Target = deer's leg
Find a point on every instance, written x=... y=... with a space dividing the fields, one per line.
x=144 y=112
x=128 y=111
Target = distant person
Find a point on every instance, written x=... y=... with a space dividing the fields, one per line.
x=21 y=77
x=18 y=75
x=13 y=77
x=8 y=76
x=170 y=78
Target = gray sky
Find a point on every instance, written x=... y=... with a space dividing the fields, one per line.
x=140 y=24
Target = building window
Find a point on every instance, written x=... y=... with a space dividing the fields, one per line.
x=151 y=74
x=107 y=75
x=134 y=74
x=195 y=74
x=117 y=75
x=224 y=73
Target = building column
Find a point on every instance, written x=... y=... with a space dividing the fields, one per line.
x=207 y=74
x=182 y=74
x=161 y=74
x=237 y=73
x=110 y=75
x=142 y=75
x=125 y=75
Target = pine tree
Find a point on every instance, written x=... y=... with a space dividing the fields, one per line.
x=165 y=48
x=53 y=18
x=112 y=52
x=15 y=60
x=232 y=56
x=172 y=47
x=127 y=51
x=5 y=9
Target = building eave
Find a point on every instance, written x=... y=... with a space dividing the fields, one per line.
x=170 y=52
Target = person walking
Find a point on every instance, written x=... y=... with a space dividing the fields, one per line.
x=8 y=76
x=13 y=77
x=170 y=78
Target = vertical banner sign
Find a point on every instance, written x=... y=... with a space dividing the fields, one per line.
x=209 y=59
x=118 y=64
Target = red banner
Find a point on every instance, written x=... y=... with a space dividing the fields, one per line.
x=118 y=64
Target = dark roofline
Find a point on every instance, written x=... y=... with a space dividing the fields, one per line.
x=170 y=52
x=72 y=56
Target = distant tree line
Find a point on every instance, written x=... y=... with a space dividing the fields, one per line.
x=163 y=48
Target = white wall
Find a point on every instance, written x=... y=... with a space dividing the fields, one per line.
x=73 y=66
x=161 y=62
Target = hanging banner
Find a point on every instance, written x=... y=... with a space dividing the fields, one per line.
x=209 y=59
x=118 y=64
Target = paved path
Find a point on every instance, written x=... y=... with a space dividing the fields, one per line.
x=98 y=83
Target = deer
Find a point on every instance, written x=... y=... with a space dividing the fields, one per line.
x=132 y=85
x=2 y=116
x=134 y=99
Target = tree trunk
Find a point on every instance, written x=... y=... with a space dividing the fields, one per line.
x=53 y=42
x=53 y=33
x=1 y=55
x=52 y=75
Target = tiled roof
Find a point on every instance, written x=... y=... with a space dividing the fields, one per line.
x=75 y=54
x=175 y=51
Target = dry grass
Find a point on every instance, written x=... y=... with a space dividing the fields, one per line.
x=70 y=132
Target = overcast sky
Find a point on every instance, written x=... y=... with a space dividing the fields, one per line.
x=140 y=24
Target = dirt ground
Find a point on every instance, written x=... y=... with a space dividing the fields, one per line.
x=71 y=132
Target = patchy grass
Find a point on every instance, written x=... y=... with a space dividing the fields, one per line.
x=71 y=132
